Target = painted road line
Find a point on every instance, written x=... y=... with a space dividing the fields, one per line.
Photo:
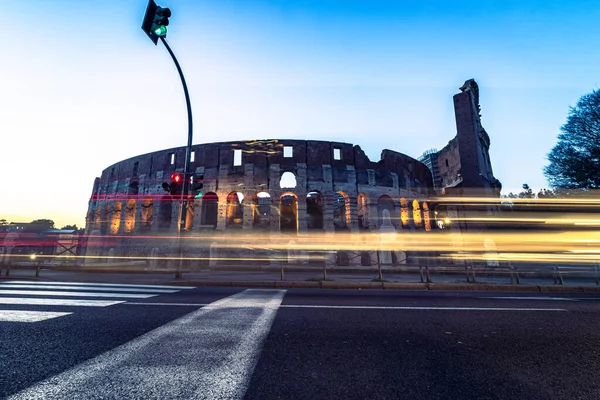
x=59 y=302
x=29 y=316
x=366 y=307
x=207 y=354
x=426 y=308
x=103 y=284
x=100 y=289
x=587 y=298
x=74 y=294
x=529 y=298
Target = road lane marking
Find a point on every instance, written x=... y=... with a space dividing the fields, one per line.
x=587 y=298
x=59 y=302
x=529 y=298
x=209 y=353
x=103 y=284
x=29 y=316
x=74 y=294
x=425 y=308
x=367 y=307
x=100 y=289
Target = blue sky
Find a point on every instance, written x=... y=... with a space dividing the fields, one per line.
x=83 y=86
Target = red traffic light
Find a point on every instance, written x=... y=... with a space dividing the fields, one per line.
x=177 y=178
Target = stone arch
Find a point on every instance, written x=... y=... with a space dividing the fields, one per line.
x=404 y=213
x=417 y=218
x=365 y=259
x=363 y=211
x=288 y=180
x=385 y=202
x=314 y=210
x=105 y=221
x=261 y=211
x=115 y=220
x=165 y=212
x=342 y=259
x=209 y=209
x=288 y=212
x=426 y=217
x=97 y=219
x=234 y=217
x=129 y=216
x=147 y=214
x=341 y=211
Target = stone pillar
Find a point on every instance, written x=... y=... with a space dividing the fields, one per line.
x=138 y=216
x=354 y=255
x=353 y=205
x=222 y=211
x=274 y=217
x=248 y=206
x=301 y=190
x=387 y=234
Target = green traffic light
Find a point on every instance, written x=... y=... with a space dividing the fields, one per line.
x=198 y=195
x=161 y=31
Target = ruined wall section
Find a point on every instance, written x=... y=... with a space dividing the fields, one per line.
x=449 y=166
x=468 y=161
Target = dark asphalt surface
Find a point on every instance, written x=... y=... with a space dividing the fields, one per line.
x=344 y=344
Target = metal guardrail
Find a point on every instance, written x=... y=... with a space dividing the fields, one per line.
x=472 y=272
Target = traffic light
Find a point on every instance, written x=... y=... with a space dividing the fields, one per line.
x=155 y=21
x=197 y=185
x=175 y=186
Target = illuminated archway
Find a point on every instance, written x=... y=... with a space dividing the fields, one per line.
x=363 y=211
x=129 y=216
x=417 y=214
x=115 y=220
x=288 y=212
x=404 y=214
x=341 y=211
x=261 y=211
x=105 y=220
x=426 y=217
x=234 y=216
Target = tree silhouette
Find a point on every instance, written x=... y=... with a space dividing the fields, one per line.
x=575 y=159
x=48 y=222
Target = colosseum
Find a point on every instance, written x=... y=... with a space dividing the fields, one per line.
x=266 y=190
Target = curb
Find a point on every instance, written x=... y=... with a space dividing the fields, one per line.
x=353 y=285
x=392 y=286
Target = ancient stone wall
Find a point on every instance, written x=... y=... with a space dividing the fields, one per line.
x=290 y=186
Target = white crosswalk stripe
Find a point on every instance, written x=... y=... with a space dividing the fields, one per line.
x=45 y=294
x=210 y=353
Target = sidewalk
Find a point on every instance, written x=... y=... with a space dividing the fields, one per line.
x=311 y=279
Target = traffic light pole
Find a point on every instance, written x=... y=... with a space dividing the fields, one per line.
x=186 y=167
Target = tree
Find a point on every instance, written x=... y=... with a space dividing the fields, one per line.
x=3 y=222
x=575 y=159
x=527 y=193
x=69 y=227
x=48 y=222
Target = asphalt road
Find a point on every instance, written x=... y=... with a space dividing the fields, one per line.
x=297 y=344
